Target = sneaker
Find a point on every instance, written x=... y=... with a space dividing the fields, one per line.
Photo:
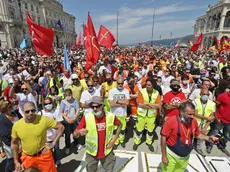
x=199 y=151
x=135 y=146
x=208 y=150
x=151 y=148
x=123 y=144
x=225 y=152
x=79 y=147
x=67 y=151
x=58 y=163
x=115 y=147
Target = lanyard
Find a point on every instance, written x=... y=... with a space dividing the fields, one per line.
x=186 y=134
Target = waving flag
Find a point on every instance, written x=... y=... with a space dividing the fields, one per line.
x=92 y=47
x=172 y=44
x=85 y=36
x=66 y=61
x=23 y=44
x=79 y=39
x=190 y=43
x=42 y=37
x=195 y=46
x=105 y=37
x=177 y=44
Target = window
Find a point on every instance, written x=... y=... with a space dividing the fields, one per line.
x=33 y=18
x=12 y=12
x=37 y=9
x=32 y=7
x=46 y=12
x=26 y=6
x=10 y=1
x=39 y=21
x=50 y=14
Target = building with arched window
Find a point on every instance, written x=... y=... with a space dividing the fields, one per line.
x=214 y=24
x=49 y=13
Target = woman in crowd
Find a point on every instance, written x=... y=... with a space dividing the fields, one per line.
x=7 y=119
x=70 y=111
x=50 y=110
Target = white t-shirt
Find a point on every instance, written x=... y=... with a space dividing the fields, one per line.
x=22 y=98
x=186 y=91
x=166 y=84
x=56 y=115
x=86 y=97
x=115 y=94
x=196 y=94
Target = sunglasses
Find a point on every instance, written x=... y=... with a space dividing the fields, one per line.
x=24 y=89
x=120 y=83
x=98 y=106
x=47 y=103
x=28 y=111
x=90 y=85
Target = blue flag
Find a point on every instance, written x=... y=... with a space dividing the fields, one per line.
x=172 y=44
x=23 y=44
x=66 y=61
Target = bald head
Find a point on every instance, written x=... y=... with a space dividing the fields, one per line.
x=28 y=104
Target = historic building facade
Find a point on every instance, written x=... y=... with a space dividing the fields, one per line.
x=214 y=24
x=49 y=13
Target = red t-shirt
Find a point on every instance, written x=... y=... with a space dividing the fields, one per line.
x=170 y=130
x=224 y=108
x=171 y=97
x=100 y=122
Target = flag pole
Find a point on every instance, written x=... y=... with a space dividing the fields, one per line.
x=117 y=28
x=153 y=26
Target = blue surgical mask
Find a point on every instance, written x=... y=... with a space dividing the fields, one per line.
x=204 y=97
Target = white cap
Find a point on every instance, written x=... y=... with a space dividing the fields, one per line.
x=74 y=76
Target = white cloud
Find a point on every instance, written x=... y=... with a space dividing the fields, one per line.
x=135 y=24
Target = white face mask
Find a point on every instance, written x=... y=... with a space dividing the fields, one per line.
x=185 y=82
x=68 y=97
x=98 y=114
x=49 y=107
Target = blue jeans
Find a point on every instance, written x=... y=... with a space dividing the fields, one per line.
x=56 y=151
x=225 y=135
x=9 y=165
x=69 y=128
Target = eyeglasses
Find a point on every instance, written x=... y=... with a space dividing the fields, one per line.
x=90 y=85
x=24 y=89
x=95 y=81
x=28 y=111
x=120 y=83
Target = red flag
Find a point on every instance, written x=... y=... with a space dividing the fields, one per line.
x=85 y=36
x=177 y=44
x=195 y=46
x=105 y=37
x=41 y=37
x=92 y=47
x=79 y=39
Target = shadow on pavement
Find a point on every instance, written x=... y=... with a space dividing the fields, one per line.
x=70 y=166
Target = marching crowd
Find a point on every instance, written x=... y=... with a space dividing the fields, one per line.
x=187 y=94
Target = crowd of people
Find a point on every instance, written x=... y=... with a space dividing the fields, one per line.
x=187 y=94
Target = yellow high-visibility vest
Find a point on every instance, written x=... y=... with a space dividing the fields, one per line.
x=208 y=110
x=91 y=139
x=150 y=112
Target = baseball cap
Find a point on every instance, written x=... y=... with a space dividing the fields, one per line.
x=97 y=100
x=74 y=76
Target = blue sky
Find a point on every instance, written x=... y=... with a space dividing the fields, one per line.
x=135 y=16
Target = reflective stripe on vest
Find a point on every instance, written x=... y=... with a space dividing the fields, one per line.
x=208 y=110
x=91 y=139
x=151 y=112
